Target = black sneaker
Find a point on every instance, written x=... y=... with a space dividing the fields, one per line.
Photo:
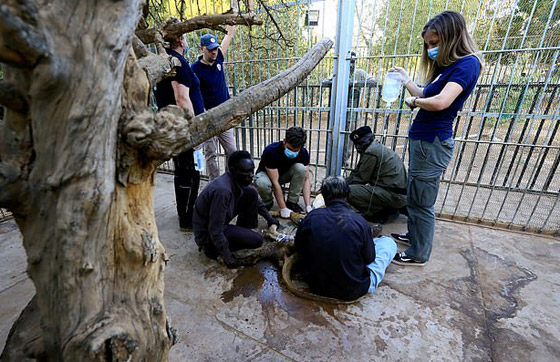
x=401 y=239
x=294 y=207
x=401 y=259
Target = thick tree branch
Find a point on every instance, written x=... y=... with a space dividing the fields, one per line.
x=140 y=50
x=12 y=98
x=21 y=42
x=169 y=134
x=158 y=67
x=214 y=21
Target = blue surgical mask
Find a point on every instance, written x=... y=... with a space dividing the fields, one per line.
x=290 y=154
x=432 y=53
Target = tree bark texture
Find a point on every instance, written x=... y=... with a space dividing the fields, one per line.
x=92 y=245
x=79 y=147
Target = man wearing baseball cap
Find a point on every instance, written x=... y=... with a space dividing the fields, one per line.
x=378 y=184
x=210 y=70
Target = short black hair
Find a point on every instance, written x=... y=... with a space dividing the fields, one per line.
x=237 y=156
x=296 y=137
x=334 y=188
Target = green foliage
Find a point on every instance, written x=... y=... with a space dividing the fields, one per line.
x=161 y=10
x=263 y=51
x=521 y=25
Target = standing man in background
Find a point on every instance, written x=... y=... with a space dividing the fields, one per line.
x=210 y=70
x=182 y=90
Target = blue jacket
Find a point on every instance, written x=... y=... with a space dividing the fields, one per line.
x=336 y=244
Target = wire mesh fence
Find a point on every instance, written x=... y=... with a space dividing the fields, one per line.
x=508 y=148
x=507 y=156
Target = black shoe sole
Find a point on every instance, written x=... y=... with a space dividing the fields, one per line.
x=403 y=263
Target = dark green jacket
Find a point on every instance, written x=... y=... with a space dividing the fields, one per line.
x=380 y=166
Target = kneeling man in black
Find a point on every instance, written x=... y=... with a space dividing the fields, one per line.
x=228 y=196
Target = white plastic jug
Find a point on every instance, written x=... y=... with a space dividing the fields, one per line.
x=391 y=87
x=199 y=160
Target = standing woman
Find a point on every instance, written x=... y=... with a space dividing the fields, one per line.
x=450 y=67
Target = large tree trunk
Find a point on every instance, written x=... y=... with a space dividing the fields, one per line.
x=92 y=245
x=78 y=153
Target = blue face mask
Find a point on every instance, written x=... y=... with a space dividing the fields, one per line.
x=432 y=53
x=290 y=154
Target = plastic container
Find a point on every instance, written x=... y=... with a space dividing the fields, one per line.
x=199 y=160
x=391 y=87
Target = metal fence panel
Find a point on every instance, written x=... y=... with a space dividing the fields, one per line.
x=508 y=151
x=504 y=171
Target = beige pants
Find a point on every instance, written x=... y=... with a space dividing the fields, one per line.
x=227 y=141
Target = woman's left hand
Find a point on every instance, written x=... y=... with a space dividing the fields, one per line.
x=410 y=102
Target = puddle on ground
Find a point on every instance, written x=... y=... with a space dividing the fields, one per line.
x=262 y=281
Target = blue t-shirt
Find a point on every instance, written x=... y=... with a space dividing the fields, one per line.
x=429 y=124
x=274 y=157
x=212 y=81
x=164 y=91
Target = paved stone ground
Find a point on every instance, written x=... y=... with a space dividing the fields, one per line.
x=486 y=295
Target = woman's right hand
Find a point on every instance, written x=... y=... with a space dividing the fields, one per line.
x=404 y=75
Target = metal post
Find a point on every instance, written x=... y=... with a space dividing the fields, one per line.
x=339 y=95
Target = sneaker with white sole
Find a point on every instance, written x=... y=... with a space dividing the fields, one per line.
x=401 y=239
x=401 y=259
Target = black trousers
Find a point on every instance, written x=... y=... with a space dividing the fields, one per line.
x=186 y=181
x=239 y=236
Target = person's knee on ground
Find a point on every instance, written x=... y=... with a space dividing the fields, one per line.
x=242 y=238
x=264 y=188
x=360 y=198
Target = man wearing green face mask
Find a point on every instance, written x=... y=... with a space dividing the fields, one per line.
x=285 y=162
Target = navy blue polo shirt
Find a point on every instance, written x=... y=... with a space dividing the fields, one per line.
x=429 y=124
x=212 y=81
x=274 y=157
x=164 y=91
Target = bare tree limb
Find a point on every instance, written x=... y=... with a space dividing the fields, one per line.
x=139 y=47
x=21 y=42
x=12 y=98
x=169 y=134
x=273 y=20
x=158 y=67
x=214 y=21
